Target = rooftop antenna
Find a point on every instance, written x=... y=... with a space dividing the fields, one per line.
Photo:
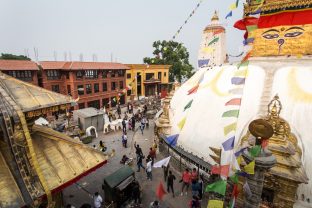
x=65 y=56
x=80 y=57
x=36 y=54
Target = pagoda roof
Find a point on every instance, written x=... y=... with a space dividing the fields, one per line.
x=30 y=97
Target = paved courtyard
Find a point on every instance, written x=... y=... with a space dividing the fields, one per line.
x=81 y=192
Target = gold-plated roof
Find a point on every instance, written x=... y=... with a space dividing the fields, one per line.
x=62 y=159
x=30 y=97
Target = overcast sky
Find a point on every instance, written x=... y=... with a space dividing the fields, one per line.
x=125 y=28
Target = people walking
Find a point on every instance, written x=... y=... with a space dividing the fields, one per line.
x=194 y=175
x=194 y=203
x=133 y=123
x=124 y=125
x=195 y=188
x=97 y=199
x=166 y=169
x=140 y=162
x=124 y=140
x=142 y=125
x=186 y=179
x=138 y=150
x=118 y=111
x=201 y=187
x=170 y=181
x=149 y=168
x=152 y=154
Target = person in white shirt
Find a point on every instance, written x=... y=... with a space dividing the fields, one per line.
x=149 y=168
x=97 y=200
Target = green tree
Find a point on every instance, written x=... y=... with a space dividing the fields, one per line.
x=174 y=54
x=8 y=56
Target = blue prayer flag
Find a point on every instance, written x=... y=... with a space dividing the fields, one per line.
x=229 y=15
x=248 y=40
x=229 y=144
x=238 y=80
x=203 y=62
x=239 y=152
x=172 y=140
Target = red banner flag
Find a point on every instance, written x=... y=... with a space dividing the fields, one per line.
x=160 y=191
x=222 y=170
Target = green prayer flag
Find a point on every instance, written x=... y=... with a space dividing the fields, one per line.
x=231 y=113
x=237 y=3
x=214 y=41
x=234 y=178
x=255 y=151
x=245 y=63
x=188 y=105
x=218 y=187
x=251 y=28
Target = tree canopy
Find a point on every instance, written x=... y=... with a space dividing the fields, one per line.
x=8 y=56
x=174 y=54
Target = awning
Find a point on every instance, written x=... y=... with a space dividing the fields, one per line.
x=125 y=183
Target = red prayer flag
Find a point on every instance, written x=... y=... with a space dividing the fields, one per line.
x=265 y=143
x=235 y=191
x=160 y=191
x=222 y=170
x=193 y=90
x=246 y=57
x=234 y=101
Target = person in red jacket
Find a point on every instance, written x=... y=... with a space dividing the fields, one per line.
x=186 y=180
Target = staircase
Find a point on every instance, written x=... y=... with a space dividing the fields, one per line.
x=267 y=92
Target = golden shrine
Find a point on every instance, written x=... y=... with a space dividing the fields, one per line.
x=36 y=161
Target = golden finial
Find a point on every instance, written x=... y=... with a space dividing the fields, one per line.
x=275 y=107
x=215 y=17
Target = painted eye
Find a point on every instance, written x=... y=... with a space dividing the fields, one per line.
x=293 y=34
x=271 y=36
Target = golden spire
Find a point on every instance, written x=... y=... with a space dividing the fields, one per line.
x=215 y=17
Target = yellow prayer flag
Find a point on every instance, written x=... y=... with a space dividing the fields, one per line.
x=181 y=123
x=250 y=168
x=215 y=204
x=239 y=160
x=233 y=6
x=208 y=50
x=229 y=128
x=241 y=73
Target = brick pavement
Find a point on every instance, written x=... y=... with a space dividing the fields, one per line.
x=77 y=195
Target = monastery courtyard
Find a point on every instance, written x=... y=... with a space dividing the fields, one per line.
x=77 y=194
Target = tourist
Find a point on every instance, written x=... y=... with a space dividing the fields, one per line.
x=170 y=180
x=133 y=123
x=142 y=125
x=195 y=188
x=140 y=162
x=124 y=140
x=102 y=146
x=154 y=204
x=186 y=179
x=166 y=169
x=136 y=192
x=97 y=200
x=130 y=108
x=130 y=124
x=149 y=168
x=201 y=187
x=152 y=154
x=138 y=150
x=145 y=109
x=118 y=111
x=194 y=175
x=124 y=125
x=194 y=203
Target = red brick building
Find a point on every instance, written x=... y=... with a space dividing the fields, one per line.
x=21 y=69
x=97 y=84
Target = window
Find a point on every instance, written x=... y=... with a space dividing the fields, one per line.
x=113 y=85
x=159 y=75
x=104 y=87
x=121 y=73
x=165 y=74
x=88 y=89
x=80 y=89
x=68 y=89
x=149 y=76
x=104 y=73
x=67 y=75
x=56 y=88
x=79 y=74
x=96 y=88
x=128 y=76
x=22 y=75
x=81 y=105
x=106 y=102
x=94 y=104
x=53 y=74
x=120 y=84
x=91 y=74
x=112 y=73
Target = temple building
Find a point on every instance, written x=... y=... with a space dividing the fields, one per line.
x=212 y=51
x=36 y=161
x=274 y=85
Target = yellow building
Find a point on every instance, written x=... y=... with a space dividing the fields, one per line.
x=147 y=80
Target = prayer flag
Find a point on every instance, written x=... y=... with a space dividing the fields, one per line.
x=233 y=6
x=172 y=140
x=246 y=57
x=255 y=151
x=265 y=143
x=241 y=73
x=234 y=164
x=218 y=187
x=160 y=191
x=236 y=91
x=201 y=78
x=246 y=63
x=250 y=168
x=232 y=203
x=182 y=123
x=235 y=191
x=238 y=80
x=243 y=174
x=234 y=178
x=229 y=15
x=222 y=170
x=234 y=101
x=213 y=41
x=239 y=152
x=208 y=50
x=229 y=144
x=237 y=1
x=231 y=113
x=163 y=162
x=251 y=28
x=248 y=40
x=203 y=62
x=193 y=90
x=247 y=190
x=215 y=204
x=239 y=160
x=188 y=105
x=229 y=128
x=218 y=31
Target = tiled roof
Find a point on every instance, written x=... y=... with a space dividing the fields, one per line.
x=17 y=65
x=77 y=65
x=52 y=64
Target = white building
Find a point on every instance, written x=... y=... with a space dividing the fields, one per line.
x=212 y=51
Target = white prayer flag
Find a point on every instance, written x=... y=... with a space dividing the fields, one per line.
x=163 y=162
